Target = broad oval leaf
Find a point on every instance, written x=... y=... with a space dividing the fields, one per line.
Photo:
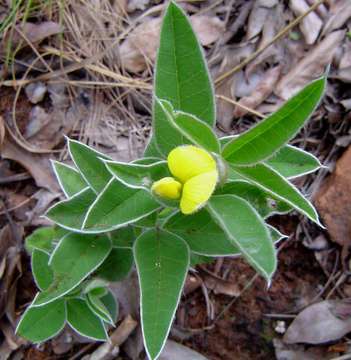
x=265 y=203
x=204 y=236
x=84 y=321
x=70 y=180
x=162 y=260
x=268 y=136
x=42 y=272
x=118 y=205
x=70 y=213
x=89 y=163
x=272 y=182
x=39 y=324
x=246 y=229
x=292 y=162
x=139 y=176
x=75 y=257
x=117 y=265
x=181 y=77
x=201 y=233
x=44 y=238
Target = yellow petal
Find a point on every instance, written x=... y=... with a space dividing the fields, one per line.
x=197 y=191
x=187 y=161
x=167 y=187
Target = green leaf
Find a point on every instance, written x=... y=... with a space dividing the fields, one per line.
x=89 y=162
x=118 y=205
x=138 y=176
x=181 y=77
x=84 y=321
x=276 y=235
x=262 y=201
x=289 y=161
x=42 y=273
x=44 y=238
x=292 y=162
x=39 y=324
x=151 y=149
x=202 y=234
x=111 y=305
x=71 y=213
x=75 y=257
x=196 y=259
x=162 y=261
x=264 y=139
x=244 y=227
x=117 y=266
x=70 y=180
x=123 y=237
x=273 y=183
x=99 y=308
x=193 y=130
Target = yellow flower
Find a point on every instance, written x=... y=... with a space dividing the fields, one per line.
x=196 y=170
x=168 y=188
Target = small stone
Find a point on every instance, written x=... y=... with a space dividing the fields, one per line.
x=35 y=92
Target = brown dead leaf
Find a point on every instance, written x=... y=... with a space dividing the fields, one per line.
x=320 y=323
x=2 y=131
x=140 y=47
x=208 y=28
x=258 y=17
x=299 y=352
x=333 y=201
x=311 y=66
x=340 y=13
x=173 y=350
x=221 y=286
x=36 y=164
x=311 y=25
x=33 y=32
x=263 y=89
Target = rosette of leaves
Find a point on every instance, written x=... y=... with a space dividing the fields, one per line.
x=112 y=219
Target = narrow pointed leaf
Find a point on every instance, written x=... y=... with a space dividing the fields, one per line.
x=39 y=324
x=292 y=162
x=246 y=230
x=118 y=205
x=70 y=180
x=138 y=175
x=273 y=183
x=42 y=272
x=190 y=128
x=181 y=77
x=264 y=139
x=265 y=203
x=84 y=321
x=111 y=305
x=117 y=265
x=162 y=262
x=88 y=162
x=99 y=308
x=74 y=259
x=71 y=213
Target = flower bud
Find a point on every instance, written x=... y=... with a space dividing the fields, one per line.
x=168 y=188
